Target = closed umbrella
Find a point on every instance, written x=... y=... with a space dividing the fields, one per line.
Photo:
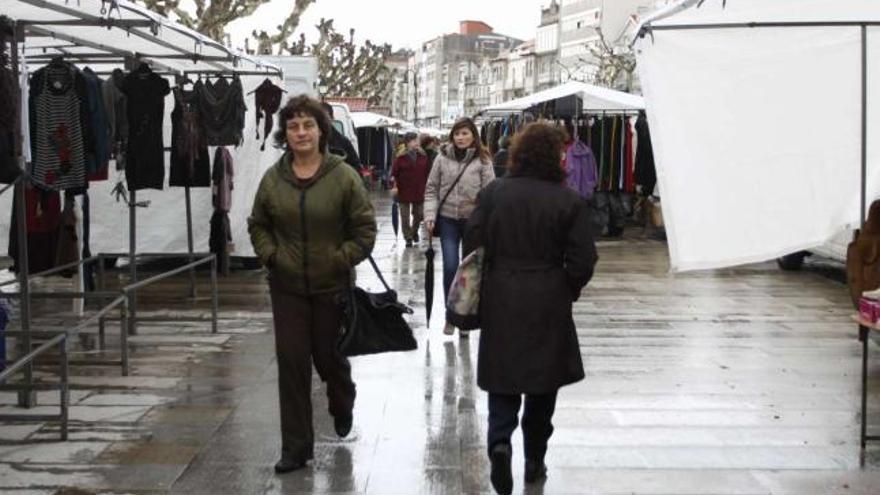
x=395 y=217
x=429 y=279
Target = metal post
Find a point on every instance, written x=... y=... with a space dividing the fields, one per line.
x=65 y=388
x=864 y=124
x=214 y=295
x=102 y=327
x=189 y=240
x=863 y=336
x=863 y=331
x=124 y=313
x=26 y=398
x=132 y=261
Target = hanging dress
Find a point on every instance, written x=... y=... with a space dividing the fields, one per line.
x=190 y=161
x=59 y=158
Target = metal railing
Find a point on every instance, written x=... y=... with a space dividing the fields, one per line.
x=123 y=299
x=132 y=288
x=63 y=385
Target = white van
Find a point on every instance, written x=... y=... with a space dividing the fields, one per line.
x=344 y=124
x=834 y=249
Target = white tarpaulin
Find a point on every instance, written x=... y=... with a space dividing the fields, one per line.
x=757 y=131
x=594 y=98
x=77 y=29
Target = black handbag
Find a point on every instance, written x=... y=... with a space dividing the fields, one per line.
x=374 y=322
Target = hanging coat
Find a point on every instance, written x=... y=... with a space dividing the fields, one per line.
x=582 y=172
x=540 y=254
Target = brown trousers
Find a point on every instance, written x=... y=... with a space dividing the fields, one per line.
x=411 y=224
x=307 y=329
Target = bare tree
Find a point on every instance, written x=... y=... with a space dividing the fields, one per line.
x=614 y=63
x=611 y=65
x=211 y=17
x=344 y=67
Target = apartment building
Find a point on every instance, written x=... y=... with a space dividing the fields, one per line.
x=439 y=87
x=547 y=47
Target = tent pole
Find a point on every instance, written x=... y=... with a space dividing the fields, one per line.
x=864 y=184
x=130 y=64
x=189 y=240
x=132 y=261
x=27 y=397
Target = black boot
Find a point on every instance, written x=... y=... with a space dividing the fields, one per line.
x=501 y=476
x=288 y=463
x=535 y=470
x=342 y=425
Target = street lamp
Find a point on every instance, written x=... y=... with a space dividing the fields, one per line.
x=322 y=88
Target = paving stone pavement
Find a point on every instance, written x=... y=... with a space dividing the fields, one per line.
x=738 y=381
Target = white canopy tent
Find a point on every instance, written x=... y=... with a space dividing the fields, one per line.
x=593 y=97
x=756 y=114
x=371 y=119
x=82 y=34
x=74 y=30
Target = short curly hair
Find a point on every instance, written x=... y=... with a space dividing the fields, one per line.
x=303 y=106
x=536 y=151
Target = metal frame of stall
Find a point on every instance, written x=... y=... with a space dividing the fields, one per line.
x=864 y=330
x=126 y=298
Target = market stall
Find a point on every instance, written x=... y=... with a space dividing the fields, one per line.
x=787 y=159
x=63 y=138
x=377 y=137
x=602 y=119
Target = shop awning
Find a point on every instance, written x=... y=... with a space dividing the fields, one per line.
x=105 y=33
x=594 y=98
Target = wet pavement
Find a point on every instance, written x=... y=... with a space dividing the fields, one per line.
x=739 y=381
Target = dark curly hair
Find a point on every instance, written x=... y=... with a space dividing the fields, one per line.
x=536 y=151
x=302 y=106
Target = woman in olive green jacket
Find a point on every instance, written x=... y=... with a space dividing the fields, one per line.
x=311 y=223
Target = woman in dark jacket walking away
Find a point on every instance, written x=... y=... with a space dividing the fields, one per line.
x=312 y=222
x=460 y=171
x=539 y=256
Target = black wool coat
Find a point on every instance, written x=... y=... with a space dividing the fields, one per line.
x=540 y=255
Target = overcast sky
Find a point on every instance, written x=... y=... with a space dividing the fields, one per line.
x=403 y=23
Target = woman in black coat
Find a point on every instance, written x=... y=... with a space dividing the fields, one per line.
x=539 y=256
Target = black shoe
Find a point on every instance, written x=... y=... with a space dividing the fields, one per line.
x=342 y=425
x=288 y=463
x=409 y=243
x=535 y=470
x=501 y=476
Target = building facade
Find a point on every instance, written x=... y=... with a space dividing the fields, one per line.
x=547 y=47
x=443 y=68
x=462 y=73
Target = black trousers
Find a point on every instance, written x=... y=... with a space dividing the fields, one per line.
x=537 y=426
x=307 y=330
